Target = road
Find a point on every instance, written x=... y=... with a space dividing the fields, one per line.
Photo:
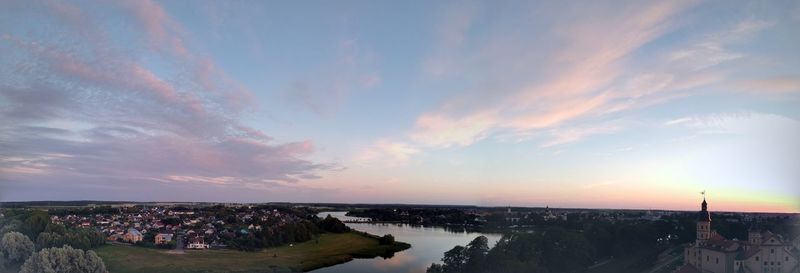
x=178 y=245
x=665 y=259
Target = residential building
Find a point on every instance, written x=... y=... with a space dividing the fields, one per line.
x=163 y=238
x=133 y=235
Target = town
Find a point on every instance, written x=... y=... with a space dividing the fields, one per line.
x=199 y=227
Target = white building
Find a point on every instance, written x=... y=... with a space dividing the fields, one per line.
x=197 y=243
x=763 y=252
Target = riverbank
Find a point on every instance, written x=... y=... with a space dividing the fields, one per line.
x=327 y=250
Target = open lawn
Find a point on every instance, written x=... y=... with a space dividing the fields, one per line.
x=332 y=249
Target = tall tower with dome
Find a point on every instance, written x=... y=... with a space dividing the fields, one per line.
x=703 y=222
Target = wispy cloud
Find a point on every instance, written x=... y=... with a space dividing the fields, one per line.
x=139 y=123
x=386 y=152
x=579 y=81
x=586 y=81
x=167 y=36
x=570 y=135
x=760 y=147
x=712 y=49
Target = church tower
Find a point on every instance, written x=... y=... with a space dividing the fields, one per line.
x=754 y=236
x=703 y=223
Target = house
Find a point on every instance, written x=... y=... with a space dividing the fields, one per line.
x=133 y=236
x=163 y=237
x=113 y=237
x=197 y=243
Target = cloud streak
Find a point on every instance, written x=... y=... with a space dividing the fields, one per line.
x=592 y=78
x=584 y=79
x=81 y=108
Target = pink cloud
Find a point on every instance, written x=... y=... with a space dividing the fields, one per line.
x=136 y=124
x=580 y=80
x=166 y=34
x=160 y=29
x=438 y=130
x=569 y=135
x=390 y=152
x=114 y=73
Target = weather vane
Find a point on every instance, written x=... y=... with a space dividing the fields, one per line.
x=703 y=193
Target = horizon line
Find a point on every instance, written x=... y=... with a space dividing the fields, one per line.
x=402 y=204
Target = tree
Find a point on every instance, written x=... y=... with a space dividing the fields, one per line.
x=476 y=254
x=387 y=239
x=64 y=260
x=48 y=239
x=332 y=224
x=454 y=260
x=36 y=223
x=16 y=247
x=56 y=228
x=9 y=226
x=83 y=238
x=435 y=268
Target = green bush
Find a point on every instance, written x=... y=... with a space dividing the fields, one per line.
x=64 y=260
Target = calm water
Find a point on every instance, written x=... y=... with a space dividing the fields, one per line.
x=427 y=246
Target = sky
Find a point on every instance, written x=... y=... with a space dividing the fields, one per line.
x=596 y=104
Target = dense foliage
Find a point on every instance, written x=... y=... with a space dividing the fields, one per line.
x=569 y=246
x=64 y=260
x=22 y=232
x=15 y=247
x=276 y=235
x=555 y=250
x=79 y=238
x=387 y=239
x=333 y=224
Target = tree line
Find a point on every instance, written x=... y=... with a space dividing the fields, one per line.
x=551 y=249
x=287 y=233
x=555 y=250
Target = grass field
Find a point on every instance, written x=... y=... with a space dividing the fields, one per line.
x=332 y=249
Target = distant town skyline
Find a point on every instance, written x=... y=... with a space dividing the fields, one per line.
x=636 y=104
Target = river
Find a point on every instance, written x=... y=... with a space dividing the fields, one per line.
x=427 y=246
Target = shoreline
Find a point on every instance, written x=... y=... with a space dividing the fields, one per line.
x=327 y=250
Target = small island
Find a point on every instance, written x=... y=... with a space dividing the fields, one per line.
x=326 y=250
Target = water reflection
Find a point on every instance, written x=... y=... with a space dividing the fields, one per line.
x=427 y=246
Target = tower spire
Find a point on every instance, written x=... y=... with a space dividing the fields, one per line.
x=704 y=205
x=703 y=221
